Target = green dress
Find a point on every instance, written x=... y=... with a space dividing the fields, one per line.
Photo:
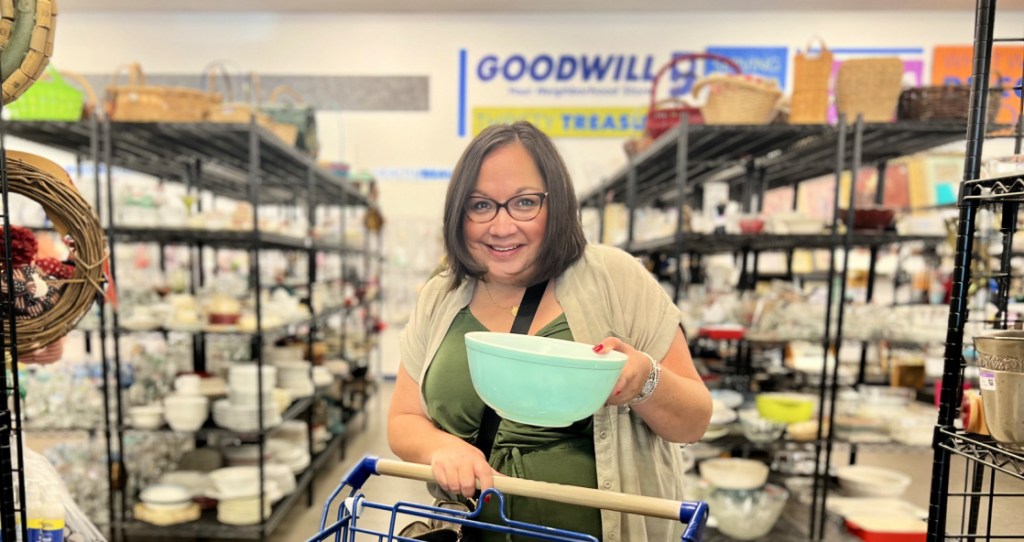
x=563 y=455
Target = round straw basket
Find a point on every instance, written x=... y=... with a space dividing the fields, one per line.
x=47 y=184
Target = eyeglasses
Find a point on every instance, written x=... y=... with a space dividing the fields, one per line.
x=523 y=208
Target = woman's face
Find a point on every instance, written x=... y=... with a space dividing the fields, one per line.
x=504 y=245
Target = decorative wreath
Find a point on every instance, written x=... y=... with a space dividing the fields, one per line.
x=27 y=28
x=49 y=185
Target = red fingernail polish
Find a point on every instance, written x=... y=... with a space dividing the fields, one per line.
x=599 y=347
x=617 y=390
x=487 y=499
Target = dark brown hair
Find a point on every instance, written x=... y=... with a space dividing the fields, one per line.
x=564 y=241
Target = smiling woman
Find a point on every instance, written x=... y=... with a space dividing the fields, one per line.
x=511 y=227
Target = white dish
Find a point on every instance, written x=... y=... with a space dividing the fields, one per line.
x=714 y=433
x=734 y=473
x=166 y=497
x=866 y=481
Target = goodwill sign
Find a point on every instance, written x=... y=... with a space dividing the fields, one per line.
x=568 y=94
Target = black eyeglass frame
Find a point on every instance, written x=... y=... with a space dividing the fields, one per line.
x=499 y=205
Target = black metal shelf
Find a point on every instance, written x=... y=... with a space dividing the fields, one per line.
x=710 y=243
x=167 y=150
x=787 y=153
x=207 y=526
x=983 y=450
x=241 y=239
x=272 y=331
x=1003 y=189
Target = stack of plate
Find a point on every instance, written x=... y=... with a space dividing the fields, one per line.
x=290 y=454
x=294 y=376
x=240 y=412
x=295 y=432
x=322 y=376
x=281 y=475
x=244 y=419
x=242 y=510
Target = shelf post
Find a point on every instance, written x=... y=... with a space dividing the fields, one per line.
x=952 y=377
x=821 y=479
x=682 y=180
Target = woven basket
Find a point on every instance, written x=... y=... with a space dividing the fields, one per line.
x=294 y=122
x=230 y=111
x=869 y=86
x=663 y=115
x=49 y=185
x=139 y=102
x=27 y=28
x=811 y=75
x=737 y=99
x=946 y=103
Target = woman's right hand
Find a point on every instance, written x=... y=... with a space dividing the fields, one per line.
x=457 y=468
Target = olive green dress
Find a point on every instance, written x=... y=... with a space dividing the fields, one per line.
x=563 y=455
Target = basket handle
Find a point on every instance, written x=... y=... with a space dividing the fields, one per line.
x=285 y=90
x=823 y=48
x=135 y=76
x=581 y=496
x=689 y=57
x=208 y=81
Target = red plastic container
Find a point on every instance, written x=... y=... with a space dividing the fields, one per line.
x=887 y=529
x=723 y=333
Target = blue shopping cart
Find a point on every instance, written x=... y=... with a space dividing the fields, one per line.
x=352 y=505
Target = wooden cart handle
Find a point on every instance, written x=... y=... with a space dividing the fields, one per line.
x=582 y=496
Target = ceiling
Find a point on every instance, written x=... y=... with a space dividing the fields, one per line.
x=519 y=6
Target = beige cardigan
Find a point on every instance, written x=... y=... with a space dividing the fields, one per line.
x=606 y=293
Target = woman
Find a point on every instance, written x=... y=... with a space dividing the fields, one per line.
x=511 y=221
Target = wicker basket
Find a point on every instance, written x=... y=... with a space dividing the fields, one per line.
x=293 y=121
x=811 y=75
x=233 y=112
x=139 y=102
x=27 y=28
x=663 y=115
x=870 y=87
x=946 y=103
x=49 y=185
x=738 y=99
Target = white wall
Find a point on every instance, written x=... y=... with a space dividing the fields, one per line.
x=428 y=45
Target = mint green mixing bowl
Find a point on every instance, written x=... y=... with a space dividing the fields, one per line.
x=540 y=381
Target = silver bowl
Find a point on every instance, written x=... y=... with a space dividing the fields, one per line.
x=1002 y=394
x=1001 y=350
x=1001 y=371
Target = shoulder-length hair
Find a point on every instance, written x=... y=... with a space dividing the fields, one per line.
x=564 y=241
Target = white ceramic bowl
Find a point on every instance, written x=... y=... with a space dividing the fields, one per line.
x=165 y=497
x=734 y=473
x=866 y=481
x=146 y=417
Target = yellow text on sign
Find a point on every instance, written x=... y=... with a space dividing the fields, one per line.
x=617 y=122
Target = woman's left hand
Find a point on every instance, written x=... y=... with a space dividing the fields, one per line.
x=633 y=375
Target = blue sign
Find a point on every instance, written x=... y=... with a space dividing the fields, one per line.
x=767 y=62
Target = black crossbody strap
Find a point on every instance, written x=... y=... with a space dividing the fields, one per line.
x=524 y=318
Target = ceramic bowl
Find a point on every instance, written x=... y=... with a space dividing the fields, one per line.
x=867 y=481
x=734 y=473
x=538 y=380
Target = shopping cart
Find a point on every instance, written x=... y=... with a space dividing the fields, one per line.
x=352 y=506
